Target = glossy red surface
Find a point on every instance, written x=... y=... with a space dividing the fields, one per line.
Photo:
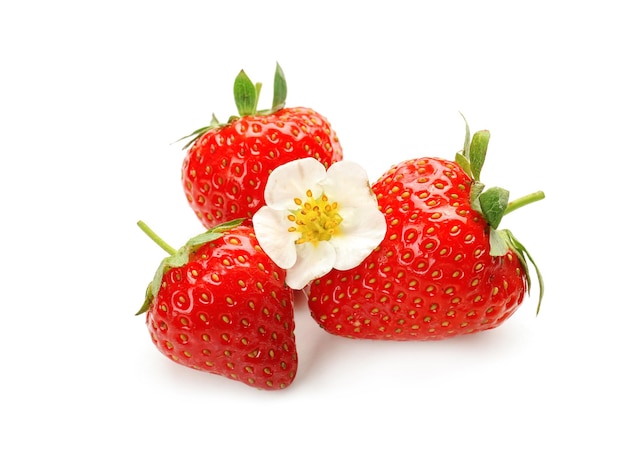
x=229 y=313
x=432 y=277
x=225 y=171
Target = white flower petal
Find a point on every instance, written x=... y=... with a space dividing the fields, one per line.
x=347 y=184
x=271 y=230
x=360 y=234
x=292 y=180
x=313 y=262
x=362 y=227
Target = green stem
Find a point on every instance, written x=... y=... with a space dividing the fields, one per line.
x=523 y=201
x=152 y=235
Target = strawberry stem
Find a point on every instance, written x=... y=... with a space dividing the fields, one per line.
x=156 y=238
x=523 y=201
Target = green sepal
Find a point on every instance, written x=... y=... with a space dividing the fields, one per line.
x=147 y=302
x=463 y=163
x=478 y=152
x=523 y=255
x=472 y=157
x=210 y=235
x=202 y=239
x=493 y=204
x=195 y=135
x=466 y=143
x=280 y=89
x=226 y=226
x=181 y=256
x=178 y=259
x=246 y=94
x=475 y=190
x=498 y=244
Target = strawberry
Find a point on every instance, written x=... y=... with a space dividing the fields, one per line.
x=442 y=269
x=226 y=167
x=220 y=305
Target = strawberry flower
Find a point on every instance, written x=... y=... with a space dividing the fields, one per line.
x=316 y=220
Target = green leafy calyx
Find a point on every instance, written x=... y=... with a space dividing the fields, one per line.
x=494 y=204
x=246 y=95
x=180 y=257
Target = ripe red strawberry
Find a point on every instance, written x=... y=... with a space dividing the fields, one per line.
x=442 y=269
x=220 y=305
x=226 y=167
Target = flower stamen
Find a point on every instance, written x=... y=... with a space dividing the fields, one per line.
x=317 y=219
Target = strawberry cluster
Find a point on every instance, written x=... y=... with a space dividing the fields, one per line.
x=415 y=256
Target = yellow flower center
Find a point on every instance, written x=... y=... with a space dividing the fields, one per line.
x=316 y=220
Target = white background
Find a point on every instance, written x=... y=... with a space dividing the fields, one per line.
x=92 y=95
